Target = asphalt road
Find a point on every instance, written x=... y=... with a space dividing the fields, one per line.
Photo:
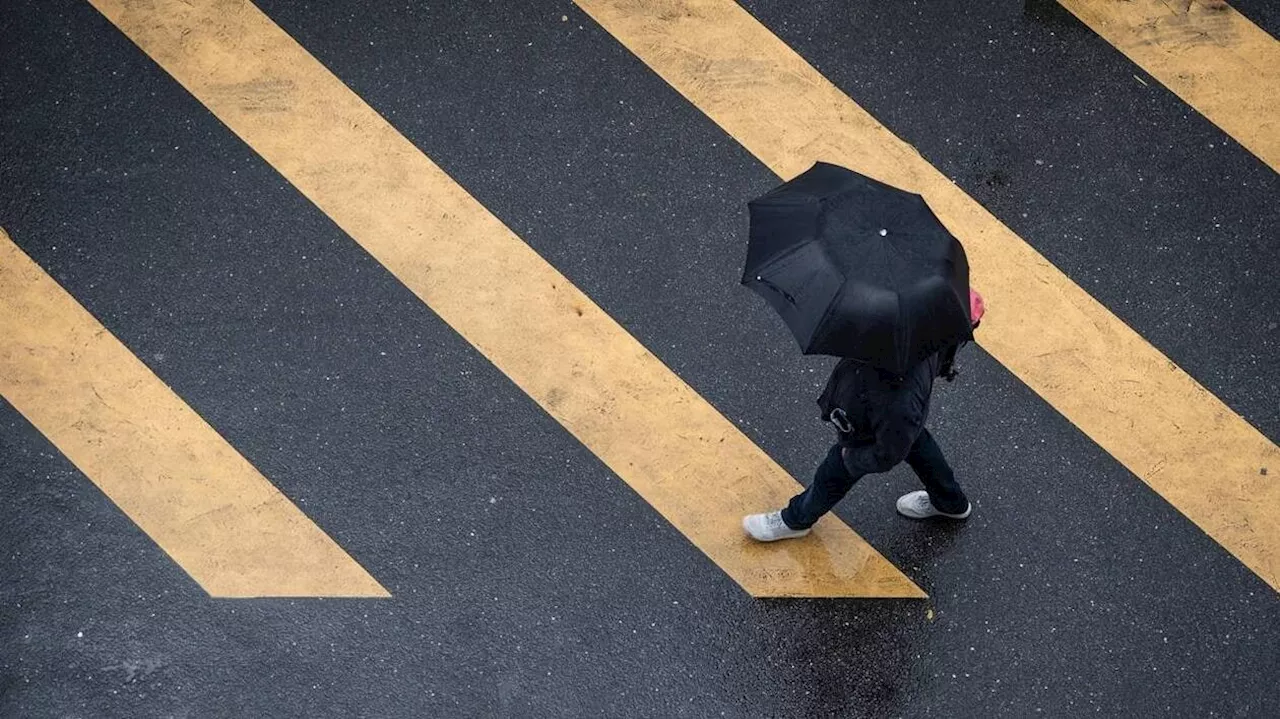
x=527 y=580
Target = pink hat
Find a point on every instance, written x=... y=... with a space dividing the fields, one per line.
x=977 y=307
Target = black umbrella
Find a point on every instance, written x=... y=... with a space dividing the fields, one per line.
x=859 y=269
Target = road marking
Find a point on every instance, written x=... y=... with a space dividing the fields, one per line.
x=1168 y=430
x=1208 y=54
x=164 y=466
x=586 y=371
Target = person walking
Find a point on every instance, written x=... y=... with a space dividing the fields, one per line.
x=864 y=271
x=880 y=420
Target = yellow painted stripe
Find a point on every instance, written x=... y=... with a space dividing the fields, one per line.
x=1166 y=428
x=1208 y=54
x=646 y=424
x=168 y=470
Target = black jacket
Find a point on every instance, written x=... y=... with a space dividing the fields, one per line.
x=882 y=414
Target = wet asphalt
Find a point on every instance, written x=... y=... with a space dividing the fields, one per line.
x=527 y=580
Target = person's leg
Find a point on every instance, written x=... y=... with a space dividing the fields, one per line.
x=939 y=481
x=830 y=483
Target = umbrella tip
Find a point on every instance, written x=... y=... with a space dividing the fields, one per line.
x=883 y=232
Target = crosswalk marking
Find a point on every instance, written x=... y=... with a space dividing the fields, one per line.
x=1134 y=402
x=168 y=470
x=585 y=370
x=1211 y=56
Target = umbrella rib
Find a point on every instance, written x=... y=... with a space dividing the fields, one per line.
x=776 y=259
x=786 y=295
x=831 y=308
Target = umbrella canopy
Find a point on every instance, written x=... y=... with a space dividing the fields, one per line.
x=858 y=269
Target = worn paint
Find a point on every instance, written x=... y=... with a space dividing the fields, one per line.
x=668 y=443
x=1211 y=56
x=151 y=454
x=1166 y=428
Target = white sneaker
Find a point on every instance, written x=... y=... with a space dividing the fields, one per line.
x=770 y=527
x=916 y=505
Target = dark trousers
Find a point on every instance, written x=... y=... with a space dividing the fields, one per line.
x=833 y=480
